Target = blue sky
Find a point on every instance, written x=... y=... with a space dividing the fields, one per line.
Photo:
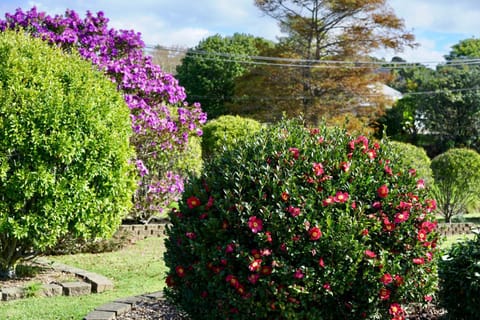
x=437 y=24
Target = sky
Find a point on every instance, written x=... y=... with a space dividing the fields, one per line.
x=436 y=24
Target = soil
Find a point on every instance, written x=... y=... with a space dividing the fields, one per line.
x=36 y=274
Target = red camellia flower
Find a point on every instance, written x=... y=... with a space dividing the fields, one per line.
x=193 y=202
x=372 y=154
x=255 y=265
x=294 y=212
x=191 y=235
x=170 y=281
x=382 y=191
x=295 y=152
x=328 y=201
x=401 y=217
x=315 y=233
x=285 y=196
x=298 y=274
x=232 y=280
x=395 y=309
x=266 y=270
x=321 y=263
x=345 y=166
x=327 y=287
x=370 y=254
x=255 y=224
x=253 y=278
x=180 y=270
x=398 y=280
x=422 y=235
x=384 y=294
x=418 y=261
x=341 y=197
x=386 y=278
x=318 y=169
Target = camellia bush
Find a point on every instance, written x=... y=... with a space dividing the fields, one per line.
x=298 y=223
x=457 y=181
x=224 y=132
x=65 y=158
x=160 y=118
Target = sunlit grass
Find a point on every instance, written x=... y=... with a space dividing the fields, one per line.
x=134 y=270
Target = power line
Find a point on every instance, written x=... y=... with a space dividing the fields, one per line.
x=309 y=63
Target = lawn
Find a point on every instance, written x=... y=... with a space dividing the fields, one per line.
x=134 y=270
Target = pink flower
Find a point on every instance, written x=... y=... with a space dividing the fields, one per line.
x=295 y=152
x=321 y=263
x=384 y=294
x=298 y=274
x=255 y=265
x=398 y=280
x=315 y=233
x=421 y=184
x=370 y=254
x=294 y=212
x=395 y=309
x=327 y=287
x=345 y=166
x=191 y=235
x=230 y=248
x=253 y=278
x=372 y=154
x=431 y=204
x=427 y=298
x=401 y=217
x=422 y=235
x=382 y=191
x=318 y=169
x=255 y=224
x=326 y=202
x=418 y=261
x=232 y=280
x=386 y=278
x=341 y=197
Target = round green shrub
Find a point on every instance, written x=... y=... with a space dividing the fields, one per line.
x=459 y=280
x=302 y=224
x=64 y=149
x=457 y=181
x=225 y=131
x=413 y=157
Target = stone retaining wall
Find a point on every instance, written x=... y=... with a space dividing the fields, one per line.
x=144 y=231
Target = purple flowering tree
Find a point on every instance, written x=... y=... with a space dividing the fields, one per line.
x=161 y=119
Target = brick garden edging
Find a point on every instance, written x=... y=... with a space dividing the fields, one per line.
x=90 y=283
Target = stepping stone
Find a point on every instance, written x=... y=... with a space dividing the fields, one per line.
x=76 y=288
x=100 y=315
x=118 y=308
x=51 y=290
x=12 y=293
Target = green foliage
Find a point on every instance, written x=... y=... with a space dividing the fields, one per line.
x=459 y=280
x=189 y=161
x=465 y=49
x=457 y=181
x=295 y=223
x=64 y=149
x=225 y=132
x=209 y=77
x=413 y=157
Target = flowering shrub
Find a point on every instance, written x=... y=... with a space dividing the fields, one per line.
x=151 y=94
x=302 y=224
x=412 y=156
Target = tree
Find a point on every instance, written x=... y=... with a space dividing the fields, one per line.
x=449 y=108
x=319 y=32
x=65 y=158
x=208 y=71
x=465 y=49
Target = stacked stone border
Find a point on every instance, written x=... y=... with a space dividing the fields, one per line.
x=143 y=231
x=89 y=282
x=111 y=310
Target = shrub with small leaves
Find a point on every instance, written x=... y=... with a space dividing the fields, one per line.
x=416 y=158
x=457 y=181
x=459 y=275
x=298 y=223
x=225 y=131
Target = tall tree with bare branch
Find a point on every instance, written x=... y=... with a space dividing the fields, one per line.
x=331 y=41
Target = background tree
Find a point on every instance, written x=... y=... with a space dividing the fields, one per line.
x=465 y=49
x=208 y=71
x=319 y=31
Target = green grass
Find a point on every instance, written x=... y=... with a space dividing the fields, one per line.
x=134 y=270
x=447 y=242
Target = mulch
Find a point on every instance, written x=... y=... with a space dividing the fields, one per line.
x=161 y=310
